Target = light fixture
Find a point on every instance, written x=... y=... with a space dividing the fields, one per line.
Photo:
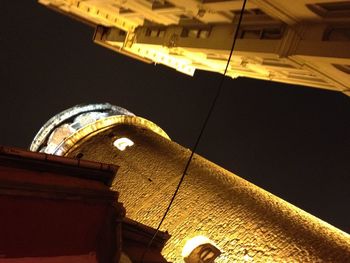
x=200 y=249
x=123 y=143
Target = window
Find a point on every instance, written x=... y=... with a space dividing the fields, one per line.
x=343 y=68
x=195 y=32
x=159 y=4
x=251 y=34
x=272 y=33
x=247 y=12
x=332 y=9
x=124 y=11
x=337 y=34
x=122 y=33
x=261 y=33
x=155 y=32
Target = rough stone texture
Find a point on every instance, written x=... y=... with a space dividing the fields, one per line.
x=247 y=223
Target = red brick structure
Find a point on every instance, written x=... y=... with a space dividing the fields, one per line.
x=56 y=209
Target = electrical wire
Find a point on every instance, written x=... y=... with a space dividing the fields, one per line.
x=211 y=109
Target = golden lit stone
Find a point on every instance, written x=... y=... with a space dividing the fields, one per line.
x=244 y=221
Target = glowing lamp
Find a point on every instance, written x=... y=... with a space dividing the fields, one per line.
x=200 y=249
x=122 y=143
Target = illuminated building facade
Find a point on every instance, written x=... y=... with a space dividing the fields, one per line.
x=301 y=42
x=224 y=215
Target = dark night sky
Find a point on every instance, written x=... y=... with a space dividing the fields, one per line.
x=291 y=140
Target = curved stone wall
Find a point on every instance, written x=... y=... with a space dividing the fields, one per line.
x=247 y=223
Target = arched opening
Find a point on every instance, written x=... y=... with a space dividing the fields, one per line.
x=200 y=249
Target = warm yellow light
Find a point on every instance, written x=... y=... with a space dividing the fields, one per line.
x=247 y=258
x=122 y=143
x=193 y=243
